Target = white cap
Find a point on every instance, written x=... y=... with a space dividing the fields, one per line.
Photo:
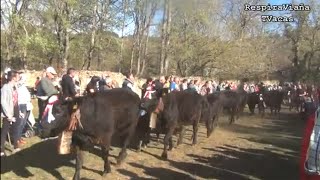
x=7 y=70
x=51 y=70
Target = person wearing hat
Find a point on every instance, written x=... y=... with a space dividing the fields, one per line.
x=46 y=89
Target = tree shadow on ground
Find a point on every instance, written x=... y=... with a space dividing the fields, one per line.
x=43 y=155
x=200 y=169
x=161 y=173
x=130 y=174
x=230 y=162
x=284 y=133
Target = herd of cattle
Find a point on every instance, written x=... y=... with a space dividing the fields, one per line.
x=117 y=112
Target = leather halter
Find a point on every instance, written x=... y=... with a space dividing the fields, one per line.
x=75 y=119
x=160 y=106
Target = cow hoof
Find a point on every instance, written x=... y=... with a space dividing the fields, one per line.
x=76 y=177
x=118 y=164
x=105 y=173
x=164 y=156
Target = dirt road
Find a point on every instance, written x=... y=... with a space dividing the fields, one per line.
x=253 y=148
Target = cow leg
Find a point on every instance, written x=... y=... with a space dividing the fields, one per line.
x=79 y=163
x=158 y=136
x=140 y=146
x=290 y=107
x=251 y=108
x=166 y=141
x=262 y=111
x=215 y=122
x=182 y=132
x=105 y=151
x=123 y=152
x=232 y=114
x=170 y=144
x=297 y=107
x=195 y=132
x=209 y=126
x=238 y=111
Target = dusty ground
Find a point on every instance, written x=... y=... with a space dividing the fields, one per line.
x=253 y=148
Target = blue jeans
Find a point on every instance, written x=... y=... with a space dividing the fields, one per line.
x=13 y=127
x=23 y=121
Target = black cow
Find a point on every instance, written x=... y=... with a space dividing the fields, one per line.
x=273 y=99
x=102 y=115
x=212 y=112
x=179 y=109
x=287 y=95
x=255 y=99
x=234 y=101
x=297 y=101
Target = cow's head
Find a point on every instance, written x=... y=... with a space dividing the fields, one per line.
x=152 y=105
x=61 y=111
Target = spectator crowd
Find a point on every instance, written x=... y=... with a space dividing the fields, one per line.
x=16 y=106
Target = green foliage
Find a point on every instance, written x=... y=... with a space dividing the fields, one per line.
x=214 y=39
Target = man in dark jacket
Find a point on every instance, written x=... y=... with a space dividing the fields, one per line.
x=128 y=81
x=158 y=86
x=68 y=85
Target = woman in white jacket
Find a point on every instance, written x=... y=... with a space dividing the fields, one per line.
x=24 y=101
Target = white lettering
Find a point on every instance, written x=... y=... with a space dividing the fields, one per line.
x=247 y=7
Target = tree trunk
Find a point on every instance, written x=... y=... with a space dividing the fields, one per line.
x=140 y=39
x=145 y=53
x=66 y=50
x=163 y=38
x=147 y=29
x=93 y=35
x=125 y=8
x=61 y=18
x=25 y=49
x=168 y=22
x=133 y=49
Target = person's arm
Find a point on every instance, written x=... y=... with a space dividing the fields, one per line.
x=27 y=94
x=6 y=98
